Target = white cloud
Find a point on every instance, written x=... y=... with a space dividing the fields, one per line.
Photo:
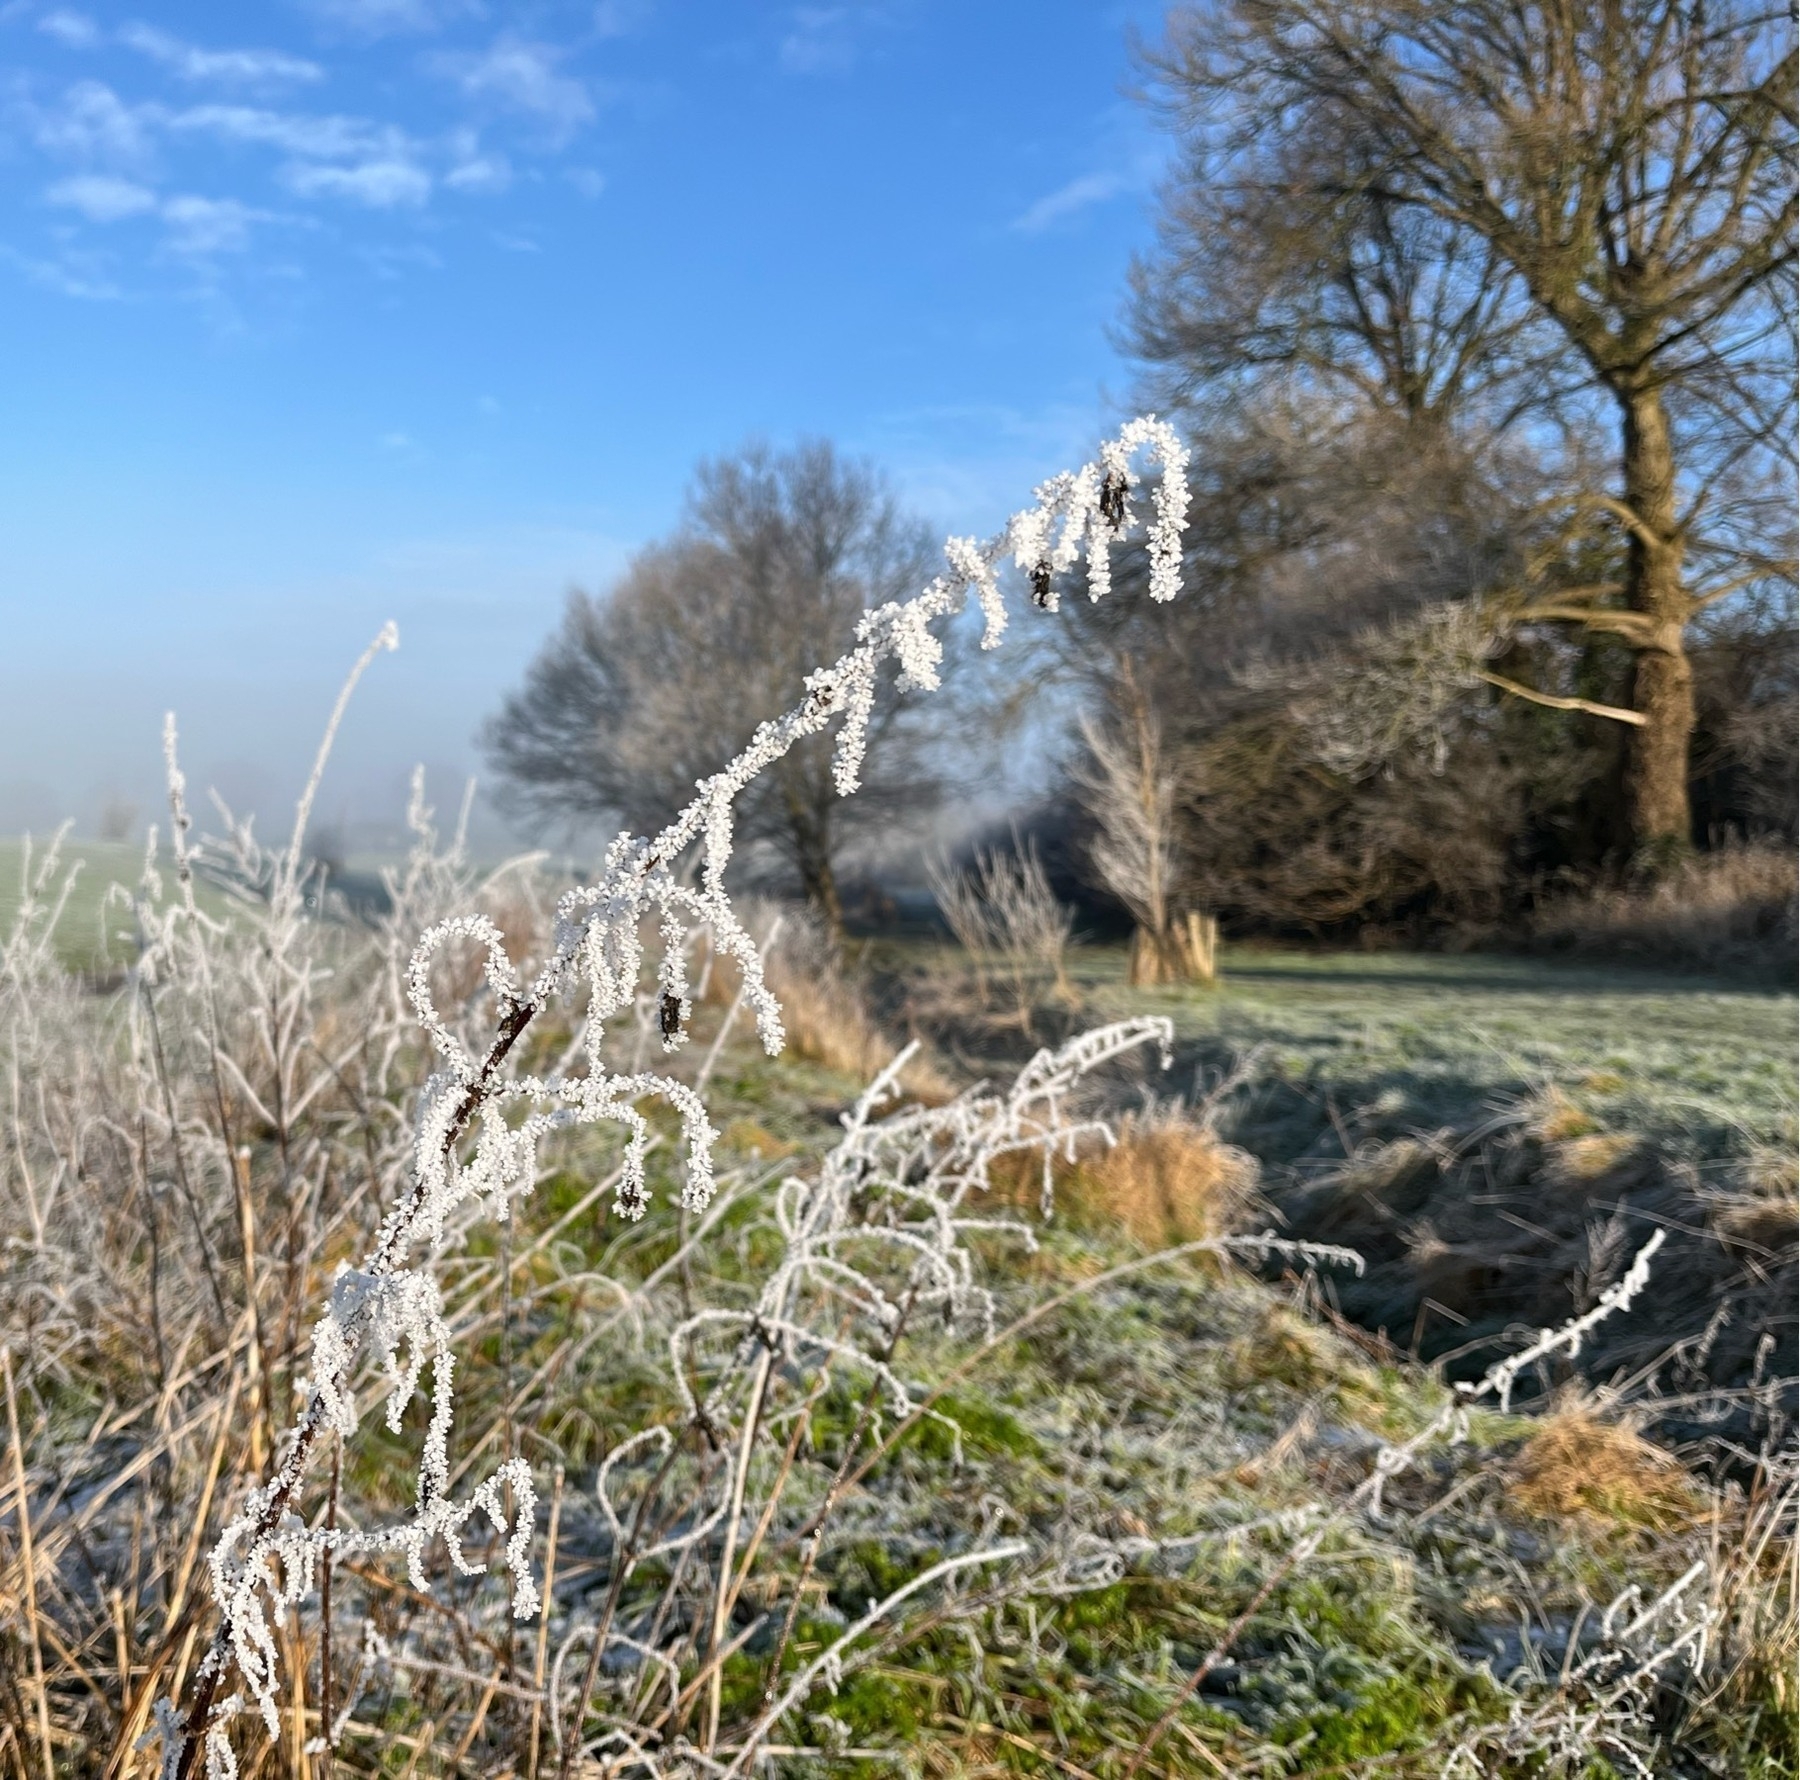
x=228 y=67
x=825 y=39
x=75 y=29
x=589 y=181
x=93 y=123
x=385 y=18
x=70 y=274
x=196 y=225
x=102 y=198
x=330 y=138
x=523 y=77
x=200 y=226
x=820 y=41
x=1066 y=201
x=380 y=185
x=620 y=18
x=391 y=261
x=480 y=173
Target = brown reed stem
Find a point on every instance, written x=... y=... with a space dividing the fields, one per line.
x=28 y=1558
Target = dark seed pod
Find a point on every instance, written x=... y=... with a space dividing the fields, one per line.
x=1040 y=583
x=1112 y=499
x=671 y=1015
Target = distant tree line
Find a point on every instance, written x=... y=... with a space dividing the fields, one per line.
x=1480 y=317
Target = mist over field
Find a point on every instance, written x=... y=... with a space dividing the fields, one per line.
x=426 y=318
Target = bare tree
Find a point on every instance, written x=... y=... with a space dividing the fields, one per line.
x=712 y=633
x=1127 y=783
x=1485 y=210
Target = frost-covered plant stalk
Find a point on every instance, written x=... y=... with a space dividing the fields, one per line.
x=1005 y=915
x=388 y=1307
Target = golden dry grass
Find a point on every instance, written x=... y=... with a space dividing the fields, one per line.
x=1579 y=1464
x=823 y=1011
x=1590 y=1157
x=828 y=1023
x=1168 y=1182
x=1165 y=1182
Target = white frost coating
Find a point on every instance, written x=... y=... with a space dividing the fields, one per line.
x=1498 y=1380
x=266 y=1559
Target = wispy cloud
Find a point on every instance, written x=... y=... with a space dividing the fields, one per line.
x=387 y=18
x=92 y=124
x=524 y=77
x=477 y=172
x=101 y=197
x=194 y=226
x=1070 y=200
x=820 y=40
x=620 y=18
x=380 y=185
x=392 y=261
x=81 y=275
x=75 y=29
x=324 y=138
x=223 y=67
x=243 y=156
x=202 y=226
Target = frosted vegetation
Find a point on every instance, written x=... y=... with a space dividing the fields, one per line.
x=749 y=1436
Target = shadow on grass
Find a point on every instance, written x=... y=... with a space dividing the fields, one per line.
x=1484 y=1215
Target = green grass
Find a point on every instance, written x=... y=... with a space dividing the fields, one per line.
x=1427 y=1038
x=92 y=933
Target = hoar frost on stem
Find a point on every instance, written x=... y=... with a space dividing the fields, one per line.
x=265 y=1559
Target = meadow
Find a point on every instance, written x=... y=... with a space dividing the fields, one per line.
x=804 y=1355
x=1166 y=1436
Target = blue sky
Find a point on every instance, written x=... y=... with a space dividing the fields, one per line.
x=323 y=312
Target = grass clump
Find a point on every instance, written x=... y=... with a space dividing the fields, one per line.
x=1579 y=1463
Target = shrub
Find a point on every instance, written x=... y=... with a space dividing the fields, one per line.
x=1732 y=910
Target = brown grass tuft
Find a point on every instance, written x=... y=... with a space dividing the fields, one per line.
x=1766 y=1208
x=1166 y=1181
x=1169 y=1182
x=1598 y=1153
x=1557 y=1119
x=1578 y=1464
x=751 y=1139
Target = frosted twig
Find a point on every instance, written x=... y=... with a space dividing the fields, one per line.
x=264 y=1559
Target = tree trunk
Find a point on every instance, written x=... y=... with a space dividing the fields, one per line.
x=820 y=884
x=1185 y=952
x=809 y=845
x=1656 y=766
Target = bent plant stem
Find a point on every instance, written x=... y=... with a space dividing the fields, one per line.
x=1296 y=1556
x=962 y=1369
x=314 y=1423
x=813 y=1535
x=804 y=1682
x=722 y=1598
x=637 y=876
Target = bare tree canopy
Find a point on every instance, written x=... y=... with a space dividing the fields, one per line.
x=1493 y=214
x=711 y=633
